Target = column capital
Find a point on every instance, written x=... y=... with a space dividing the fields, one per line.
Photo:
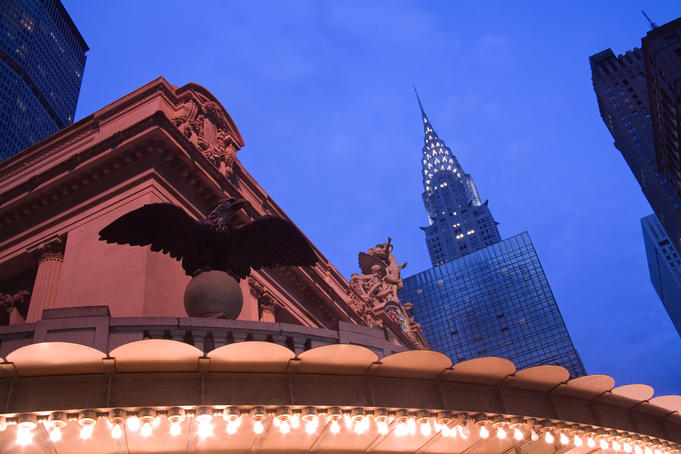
x=50 y=249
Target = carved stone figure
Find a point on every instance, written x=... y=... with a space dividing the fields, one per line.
x=202 y=122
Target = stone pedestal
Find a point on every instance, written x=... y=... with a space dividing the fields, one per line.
x=50 y=257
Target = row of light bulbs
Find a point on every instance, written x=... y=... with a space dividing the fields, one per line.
x=357 y=420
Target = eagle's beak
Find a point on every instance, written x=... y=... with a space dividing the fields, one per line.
x=238 y=204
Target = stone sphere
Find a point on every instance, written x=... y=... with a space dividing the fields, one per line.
x=213 y=294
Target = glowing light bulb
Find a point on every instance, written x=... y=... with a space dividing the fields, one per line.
x=205 y=429
x=232 y=427
x=444 y=430
x=501 y=433
x=577 y=441
x=484 y=433
x=175 y=429
x=464 y=431
x=335 y=427
x=133 y=423
x=361 y=425
x=425 y=429
x=24 y=436
x=146 y=429
x=627 y=447
x=116 y=432
x=295 y=421
x=382 y=427
x=86 y=431
x=657 y=451
x=616 y=446
x=311 y=425
x=638 y=450
x=258 y=427
x=55 y=434
x=534 y=436
x=564 y=439
x=401 y=429
x=284 y=427
x=411 y=426
x=518 y=434
x=647 y=450
x=603 y=444
x=590 y=442
x=549 y=438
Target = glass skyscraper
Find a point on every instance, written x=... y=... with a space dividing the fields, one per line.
x=493 y=302
x=664 y=264
x=42 y=56
x=483 y=296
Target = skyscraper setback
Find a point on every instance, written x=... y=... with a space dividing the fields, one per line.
x=459 y=223
x=42 y=56
x=483 y=296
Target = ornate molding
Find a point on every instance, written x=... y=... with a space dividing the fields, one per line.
x=10 y=301
x=51 y=249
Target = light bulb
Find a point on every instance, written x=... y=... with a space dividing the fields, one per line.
x=401 y=429
x=603 y=444
x=258 y=427
x=295 y=421
x=444 y=430
x=284 y=427
x=175 y=429
x=647 y=450
x=590 y=442
x=627 y=447
x=411 y=426
x=484 y=433
x=133 y=423
x=501 y=433
x=616 y=446
x=464 y=431
x=311 y=425
x=147 y=429
x=205 y=429
x=24 y=436
x=549 y=438
x=638 y=450
x=577 y=441
x=232 y=427
x=382 y=427
x=518 y=434
x=564 y=439
x=55 y=434
x=425 y=429
x=534 y=436
x=116 y=432
x=86 y=431
x=335 y=427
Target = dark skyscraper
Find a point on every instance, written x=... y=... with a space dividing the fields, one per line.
x=483 y=296
x=459 y=222
x=662 y=55
x=42 y=56
x=622 y=94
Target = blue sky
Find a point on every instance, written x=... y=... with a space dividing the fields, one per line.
x=321 y=92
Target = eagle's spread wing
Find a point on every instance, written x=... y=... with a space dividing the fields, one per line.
x=267 y=241
x=166 y=227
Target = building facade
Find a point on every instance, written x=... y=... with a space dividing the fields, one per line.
x=493 y=302
x=459 y=223
x=664 y=265
x=98 y=354
x=662 y=54
x=483 y=296
x=42 y=56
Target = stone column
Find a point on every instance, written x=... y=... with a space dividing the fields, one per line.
x=266 y=304
x=50 y=256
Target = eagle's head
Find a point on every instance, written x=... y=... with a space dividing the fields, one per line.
x=222 y=216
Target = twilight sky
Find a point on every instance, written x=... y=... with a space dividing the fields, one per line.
x=321 y=92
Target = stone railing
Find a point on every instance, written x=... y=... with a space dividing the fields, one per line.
x=93 y=326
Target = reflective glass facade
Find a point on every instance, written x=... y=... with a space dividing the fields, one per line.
x=493 y=302
x=42 y=56
x=664 y=264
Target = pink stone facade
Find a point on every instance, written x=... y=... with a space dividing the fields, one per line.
x=159 y=143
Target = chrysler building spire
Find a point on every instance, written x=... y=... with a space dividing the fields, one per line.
x=459 y=223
